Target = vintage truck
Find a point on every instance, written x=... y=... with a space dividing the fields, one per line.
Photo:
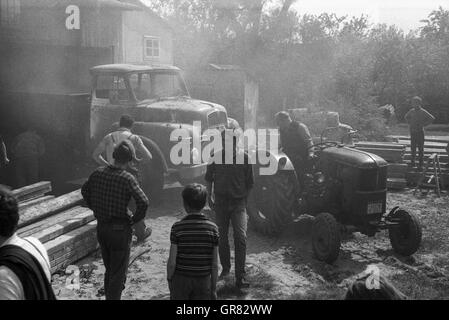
x=158 y=99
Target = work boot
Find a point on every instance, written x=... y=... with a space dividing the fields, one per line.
x=242 y=283
x=224 y=273
x=148 y=232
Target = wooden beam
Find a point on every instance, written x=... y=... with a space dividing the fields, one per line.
x=63 y=227
x=33 y=202
x=69 y=248
x=65 y=241
x=49 y=208
x=32 y=191
x=46 y=223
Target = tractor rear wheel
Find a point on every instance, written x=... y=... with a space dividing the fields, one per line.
x=271 y=204
x=326 y=237
x=406 y=237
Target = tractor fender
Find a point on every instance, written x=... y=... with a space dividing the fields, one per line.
x=392 y=211
x=280 y=159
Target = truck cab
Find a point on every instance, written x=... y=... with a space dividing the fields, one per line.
x=159 y=101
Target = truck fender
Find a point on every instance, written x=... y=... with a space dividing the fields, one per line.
x=156 y=152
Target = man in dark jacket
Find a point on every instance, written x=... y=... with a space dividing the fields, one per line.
x=230 y=176
x=108 y=192
x=296 y=142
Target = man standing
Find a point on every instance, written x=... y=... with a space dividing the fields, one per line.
x=418 y=118
x=108 y=192
x=296 y=142
x=27 y=150
x=107 y=145
x=24 y=264
x=231 y=182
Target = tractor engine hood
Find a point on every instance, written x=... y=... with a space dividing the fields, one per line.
x=353 y=157
x=182 y=110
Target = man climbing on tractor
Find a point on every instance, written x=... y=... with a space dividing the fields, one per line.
x=295 y=142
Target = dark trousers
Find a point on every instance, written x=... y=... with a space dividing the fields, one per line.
x=190 y=288
x=417 y=141
x=139 y=227
x=115 y=245
x=232 y=211
x=26 y=171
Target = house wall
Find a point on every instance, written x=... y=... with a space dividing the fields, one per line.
x=136 y=25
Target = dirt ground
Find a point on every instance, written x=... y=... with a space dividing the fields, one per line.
x=284 y=267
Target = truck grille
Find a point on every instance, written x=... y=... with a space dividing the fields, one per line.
x=373 y=179
x=216 y=118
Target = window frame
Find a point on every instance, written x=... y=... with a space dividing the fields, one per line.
x=10 y=13
x=145 y=47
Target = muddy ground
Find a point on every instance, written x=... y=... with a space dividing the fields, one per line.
x=284 y=267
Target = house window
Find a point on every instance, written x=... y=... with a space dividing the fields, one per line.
x=151 y=47
x=9 y=12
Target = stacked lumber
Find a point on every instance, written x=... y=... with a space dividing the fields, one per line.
x=31 y=192
x=62 y=224
x=433 y=144
x=396 y=176
x=390 y=151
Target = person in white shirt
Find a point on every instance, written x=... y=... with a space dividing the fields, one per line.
x=106 y=147
x=11 y=286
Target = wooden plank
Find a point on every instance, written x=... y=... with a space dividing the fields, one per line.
x=67 y=240
x=56 y=230
x=78 y=253
x=443 y=158
x=49 y=208
x=380 y=145
x=397 y=168
x=74 y=250
x=30 y=203
x=440 y=139
x=32 y=191
x=45 y=223
x=396 y=183
x=429 y=150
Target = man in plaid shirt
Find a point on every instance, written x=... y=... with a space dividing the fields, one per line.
x=108 y=192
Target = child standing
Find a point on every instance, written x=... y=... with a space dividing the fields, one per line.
x=192 y=268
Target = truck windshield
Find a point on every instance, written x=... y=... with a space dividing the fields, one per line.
x=157 y=85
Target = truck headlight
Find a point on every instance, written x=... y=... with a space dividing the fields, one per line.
x=282 y=162
x=319 y=178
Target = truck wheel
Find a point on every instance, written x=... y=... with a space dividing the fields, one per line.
x=406 y=237
x=153 y=181
x=326 y=238
x=271 y=203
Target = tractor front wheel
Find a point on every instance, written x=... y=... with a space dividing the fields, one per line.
x=405 y=238
x=326 y=238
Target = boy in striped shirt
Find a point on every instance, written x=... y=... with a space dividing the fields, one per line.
x=192 y=268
